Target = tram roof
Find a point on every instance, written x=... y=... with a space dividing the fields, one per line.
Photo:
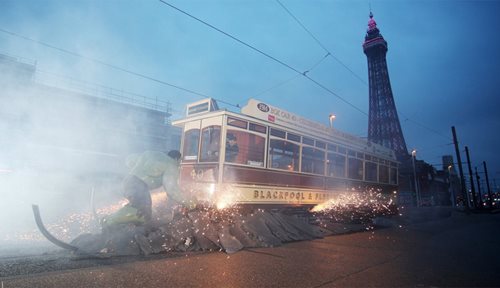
x=260 y=112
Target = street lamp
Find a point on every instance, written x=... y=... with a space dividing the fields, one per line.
x=331 y=117
x=417 y=194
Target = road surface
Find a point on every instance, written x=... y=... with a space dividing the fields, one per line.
x=461 y=250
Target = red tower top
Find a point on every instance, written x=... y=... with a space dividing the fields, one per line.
x=371 y=23
x=374 y=38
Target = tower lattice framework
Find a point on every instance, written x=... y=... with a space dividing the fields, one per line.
x=383 y=122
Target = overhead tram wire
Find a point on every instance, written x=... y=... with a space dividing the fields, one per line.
x=230 y=36
x=104 y=63
x=292 y=78
x=317 y=63
x=346 y=67
x=319 y=42
x=425 y=127
x=277 y=85
x=265 y=54
x=435 y=147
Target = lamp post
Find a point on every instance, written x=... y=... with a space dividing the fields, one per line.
x=417 y=194
x=450 y=187
x=331 y=117
x=480 y=195
x=490 y=202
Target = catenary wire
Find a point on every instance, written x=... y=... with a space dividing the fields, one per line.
x=346 y=67
x=319 y=42
x=277 y=85
x=292 y=78
x=265 y=54
x=287 y=65
x=103 y=63
x=191 y=91
x=230 y=36
x=114 y=66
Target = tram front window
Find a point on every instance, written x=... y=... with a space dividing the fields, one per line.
x=191 y=140
x=283 y=155
x=210 y=144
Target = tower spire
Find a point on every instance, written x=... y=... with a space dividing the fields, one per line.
x=383 y=122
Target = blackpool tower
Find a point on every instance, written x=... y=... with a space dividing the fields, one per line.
x=383 y=122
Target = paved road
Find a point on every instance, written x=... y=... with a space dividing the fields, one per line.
x=462 y=250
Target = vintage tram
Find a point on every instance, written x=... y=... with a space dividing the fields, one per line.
x=265 y=155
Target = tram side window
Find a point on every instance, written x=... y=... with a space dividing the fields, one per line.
x=384 y=174
x=336 y=165
x=283 y=155
x=245 y=148
x=313 y=161
x=210 y=144
x=257 y=128
x=191 y=140
x=394 y=176
x=371 y=171
x=355 y=169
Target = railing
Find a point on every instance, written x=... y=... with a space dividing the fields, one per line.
x=98 y=90
x=93 y=89
x=16 y=59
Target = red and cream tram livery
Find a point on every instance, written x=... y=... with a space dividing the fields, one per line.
x=265 y=155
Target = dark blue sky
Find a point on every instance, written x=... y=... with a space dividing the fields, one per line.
x=443 y=58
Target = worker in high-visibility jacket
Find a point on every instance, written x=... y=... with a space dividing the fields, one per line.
x=137 y=211
x=154 y=169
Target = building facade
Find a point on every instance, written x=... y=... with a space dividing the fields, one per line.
x=49 y=130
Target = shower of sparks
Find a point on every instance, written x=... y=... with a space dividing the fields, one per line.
x=227 y=198
x=221 y=211
x=68 y=227
x=357 y=207
x=217 y=196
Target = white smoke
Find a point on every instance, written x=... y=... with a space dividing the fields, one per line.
x=56 y=146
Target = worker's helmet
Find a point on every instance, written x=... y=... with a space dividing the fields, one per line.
x=174 y=154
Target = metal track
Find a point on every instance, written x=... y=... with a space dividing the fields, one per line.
x=46 y=233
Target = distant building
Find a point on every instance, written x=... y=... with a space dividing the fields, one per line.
x=448 y=164
x=46 y=129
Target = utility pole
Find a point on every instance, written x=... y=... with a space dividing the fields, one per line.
x=471 y=177
x=417 y=194
x=460 y=170
x=490 y=202
x=479 y=194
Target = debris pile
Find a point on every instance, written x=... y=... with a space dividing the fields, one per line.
x=232 y=229
x=203 y=230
